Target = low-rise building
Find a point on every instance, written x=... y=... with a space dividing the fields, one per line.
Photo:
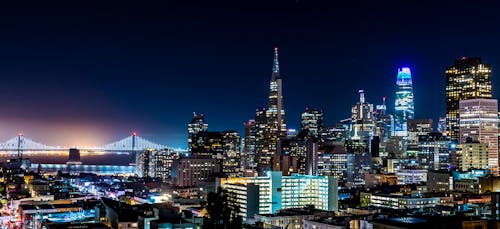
x=268 y=194
x=397 y=201
x=439 y=181
x=374 y=180
x=411 y=176
x=288 y=218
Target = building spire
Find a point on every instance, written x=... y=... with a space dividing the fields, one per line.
x=361 y=96
x=276 y=65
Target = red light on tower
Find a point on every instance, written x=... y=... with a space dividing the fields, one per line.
x=20 y=134
x=134 y=133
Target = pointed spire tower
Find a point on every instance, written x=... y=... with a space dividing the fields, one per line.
x=276 y=66
x=276 y=112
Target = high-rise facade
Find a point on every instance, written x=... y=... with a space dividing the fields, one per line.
x=363 y=121
x=275 y=113
x=417 y=127
x=479 y=121
x=248 y=145
x=231 y=162
x=312 y=122
x=273 y=120
x=434 y=151
x=191 y=171
x=207 y=144
x=155 y=163
x=197 y=124
x=404 y=106
x=468 y=78
x=472 y=155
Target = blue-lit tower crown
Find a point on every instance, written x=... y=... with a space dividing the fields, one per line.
x=404 y=106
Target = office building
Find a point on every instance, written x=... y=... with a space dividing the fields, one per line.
x=362 y=119
x=417 y=127
x=270 y=122
x=248 y=146
x=275 y=113
x=312 y=123
x=399 y=202
x=333 y=161
x=479 y=121
x=197 y=124
x=358 y=160
x=335 y=133
x=155 y=163
x=434 y=151
x=404 y=106
x=441 y=128
x=190 y=172
x=472 y=155
x=291 y=156
x=231 y=161
x=411 y=176
x=273 y=192
x=207 y=144
x=439 y=181
x=468 y=78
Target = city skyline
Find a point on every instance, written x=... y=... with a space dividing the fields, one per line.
x=171 y=114
x=99 y=92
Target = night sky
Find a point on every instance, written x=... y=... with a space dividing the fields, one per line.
x=87 y=73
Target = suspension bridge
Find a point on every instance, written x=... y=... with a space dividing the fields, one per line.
x=132 y=143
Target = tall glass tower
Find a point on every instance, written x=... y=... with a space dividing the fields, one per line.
x=404 y=107
x=468 y=78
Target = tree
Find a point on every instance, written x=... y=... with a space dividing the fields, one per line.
x=220 y=212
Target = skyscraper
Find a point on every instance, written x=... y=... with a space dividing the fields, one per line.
x=479 y=121
x=197 y=124
x=207 y=144
x=468 y=78
x=274 y=120
x=231 y=163
x=359 y=143
x=404 y=108
x=248 y=145
x=363 y=121
x=312 y=122
x=275 y=113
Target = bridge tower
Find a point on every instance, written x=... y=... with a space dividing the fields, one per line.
x=19 y=141
x=134 y=135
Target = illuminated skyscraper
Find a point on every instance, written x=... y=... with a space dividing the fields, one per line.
x=274 y=121
x=231 y=163
x=197 y=124
x=275 y=113
x=468 y=78
x=248 y=145
x=363 y=121
x=479 y=121
x=312 y=122
x=441 y=125
x=359 y=143
x=155 y=163
x=404 y=108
